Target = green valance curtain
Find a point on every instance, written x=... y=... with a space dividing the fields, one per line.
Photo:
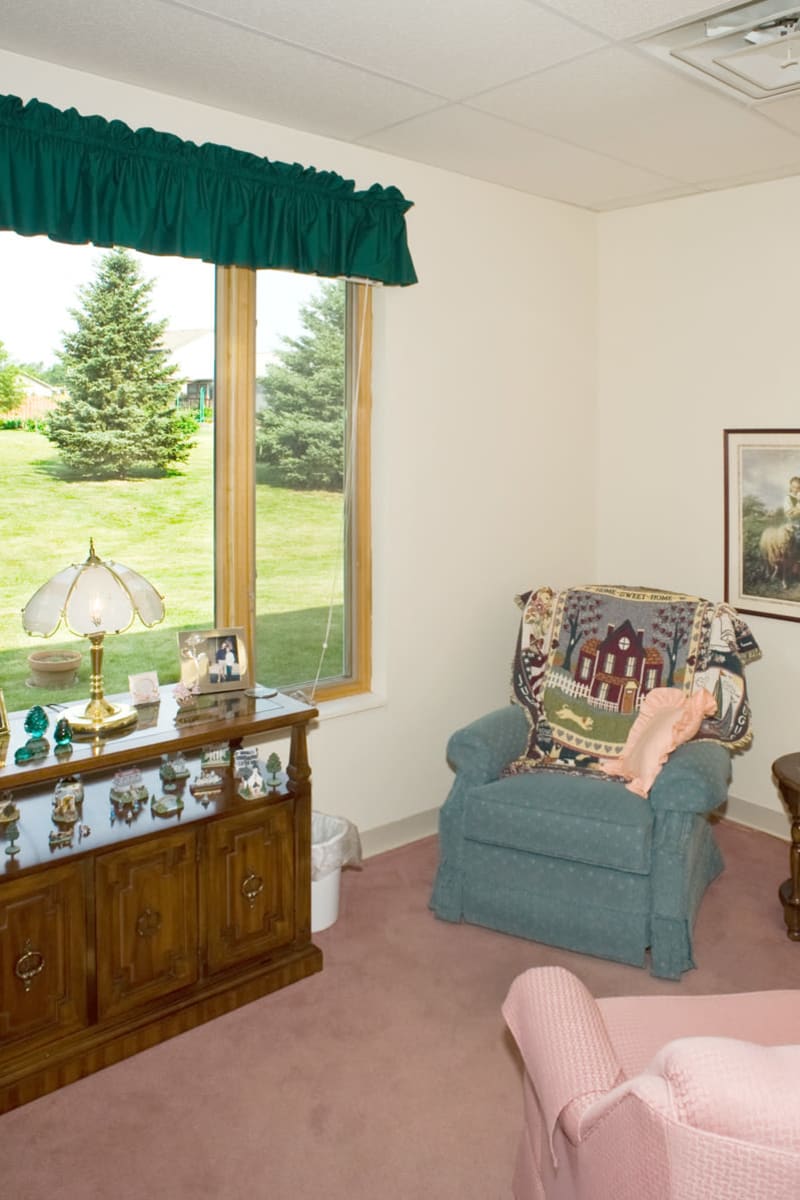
x=84 y=179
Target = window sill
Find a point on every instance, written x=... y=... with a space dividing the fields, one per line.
x=347 y=706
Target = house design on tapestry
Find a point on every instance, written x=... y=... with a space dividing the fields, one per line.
x=619 y=670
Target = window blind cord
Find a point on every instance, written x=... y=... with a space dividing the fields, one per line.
x=347 y=498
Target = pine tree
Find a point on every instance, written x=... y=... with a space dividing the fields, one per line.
x=10 y=389
x=300 y=431
x=118 y=416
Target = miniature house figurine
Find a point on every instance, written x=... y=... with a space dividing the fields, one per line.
x=252 y=785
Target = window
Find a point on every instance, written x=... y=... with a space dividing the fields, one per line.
x=630 y=666
x=609 y=664
x=300 y=583
x=215 y=536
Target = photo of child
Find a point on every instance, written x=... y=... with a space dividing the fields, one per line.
x=213 y=660
x=225 y=668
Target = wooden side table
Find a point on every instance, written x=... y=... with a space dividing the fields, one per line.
x=787 y=773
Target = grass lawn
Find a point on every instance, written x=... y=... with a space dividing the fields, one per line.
x=163 y=528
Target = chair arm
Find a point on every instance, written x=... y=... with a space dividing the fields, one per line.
x=569 y=1058
x=480 y=750
x=694 y=778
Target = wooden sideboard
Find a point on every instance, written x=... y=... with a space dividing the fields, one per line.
x=140 y=926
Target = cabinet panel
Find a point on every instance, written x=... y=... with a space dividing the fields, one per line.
x=249 y=885
x=43 y=954
x=147 y=934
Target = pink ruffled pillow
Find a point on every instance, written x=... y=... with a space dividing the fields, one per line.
x=667 y=718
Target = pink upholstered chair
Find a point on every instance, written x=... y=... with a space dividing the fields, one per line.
x=655 y=1097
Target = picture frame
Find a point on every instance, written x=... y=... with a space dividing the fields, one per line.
x=762 y=521
x=213 y=660
x=144 y=688
x=5 y=728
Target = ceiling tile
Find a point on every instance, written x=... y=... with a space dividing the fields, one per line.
x=472 y=143
x=598 y=102
x=784 y=112
x=747 y=177
x=453 y=48
x=629 y=18
x=635 y=200
x=333 y=99
x=221 y=65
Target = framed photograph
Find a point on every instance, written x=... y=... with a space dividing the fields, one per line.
x=4 y=726
x=762 y=522
x=213 y=660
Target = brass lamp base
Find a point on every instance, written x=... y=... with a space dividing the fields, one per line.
x=98 y=717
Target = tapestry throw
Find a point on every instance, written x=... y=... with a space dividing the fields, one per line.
x=587 y=656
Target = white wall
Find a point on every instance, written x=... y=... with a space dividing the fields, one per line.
x=697 y=332
x=483 y=433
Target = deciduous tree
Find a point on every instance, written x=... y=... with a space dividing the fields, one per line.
x=671 y=630
x=10 y=388
x=581 y=615
x=54 y=374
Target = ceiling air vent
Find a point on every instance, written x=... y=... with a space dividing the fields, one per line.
x=751 y=50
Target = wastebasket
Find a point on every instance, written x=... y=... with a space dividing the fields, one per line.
x=334 y=844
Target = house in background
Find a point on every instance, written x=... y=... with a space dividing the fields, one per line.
x=192 y=351
x=38 y=400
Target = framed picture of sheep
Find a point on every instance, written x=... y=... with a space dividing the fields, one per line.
x=762 y=521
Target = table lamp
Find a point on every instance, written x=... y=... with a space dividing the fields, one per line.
x=94 y=598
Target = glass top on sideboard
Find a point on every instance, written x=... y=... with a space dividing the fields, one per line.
x=161 y=727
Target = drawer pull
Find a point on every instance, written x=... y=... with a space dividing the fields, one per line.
x=148 y=923
x=29 y=964
x=252 y=886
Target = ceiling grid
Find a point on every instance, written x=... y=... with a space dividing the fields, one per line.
x=598 y=104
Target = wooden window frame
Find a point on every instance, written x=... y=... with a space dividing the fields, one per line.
x=235 y=472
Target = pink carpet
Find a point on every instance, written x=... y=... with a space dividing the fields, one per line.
x=389 y=1076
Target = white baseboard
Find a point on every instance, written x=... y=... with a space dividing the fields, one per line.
x=755 y=816
x=399 y=833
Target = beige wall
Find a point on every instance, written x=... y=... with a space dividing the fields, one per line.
x=483 y=439
x=697 y=332
x=492 y=471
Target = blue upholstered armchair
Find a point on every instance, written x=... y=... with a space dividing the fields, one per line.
x=580 y=863
x=571 y=857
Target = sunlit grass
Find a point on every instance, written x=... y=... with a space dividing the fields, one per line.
x=163 y=528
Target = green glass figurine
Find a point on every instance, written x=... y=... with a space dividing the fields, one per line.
x=36 y=721
x=37 y=744
x=62 y=735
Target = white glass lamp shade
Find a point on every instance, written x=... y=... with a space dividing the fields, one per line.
x=91 y=598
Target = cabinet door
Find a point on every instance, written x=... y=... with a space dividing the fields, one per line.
x=147 y=942
x=43 y=954
x=249 y=885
